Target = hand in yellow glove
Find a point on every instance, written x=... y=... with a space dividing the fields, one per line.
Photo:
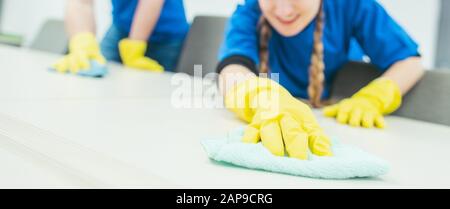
x=367 y=107
x=132 y=53
x=83 y=48
x=276 y=118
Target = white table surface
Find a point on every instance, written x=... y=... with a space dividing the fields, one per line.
x=61 y=131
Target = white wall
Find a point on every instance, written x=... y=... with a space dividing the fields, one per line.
x=419 y=17
x=26 y=20
x=26 y=16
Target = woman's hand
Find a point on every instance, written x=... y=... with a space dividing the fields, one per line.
x=277 y=119
x=367 y=107
x=83 y=48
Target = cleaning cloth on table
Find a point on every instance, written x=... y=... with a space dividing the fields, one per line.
x=347 y=161
x=95 y=70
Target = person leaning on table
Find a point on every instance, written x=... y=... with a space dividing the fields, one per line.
x=147 y=35
x=305 y=43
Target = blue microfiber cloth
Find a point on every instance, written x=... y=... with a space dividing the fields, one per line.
x=96 y=70
x=347 y=161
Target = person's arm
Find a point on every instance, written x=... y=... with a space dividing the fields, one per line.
x=387 y=44
x=239 y=51
x=392 y=50
x=133 y=49
x=145 y=19
x=79 y=17
x=406 y=73
x=83 y=46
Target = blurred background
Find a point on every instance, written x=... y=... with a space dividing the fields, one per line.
x=21 y=20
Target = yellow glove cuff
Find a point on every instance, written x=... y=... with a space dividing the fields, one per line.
x=384 y=92
x=241 y=99
x=131 y=49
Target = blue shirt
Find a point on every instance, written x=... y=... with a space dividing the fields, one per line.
x=172 y=23
x=347 y=25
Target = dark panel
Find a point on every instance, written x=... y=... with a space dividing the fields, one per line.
x=443 y=46
x=202 y=45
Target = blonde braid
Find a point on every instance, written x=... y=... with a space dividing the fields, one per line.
x=316 y=69
x=264 y=37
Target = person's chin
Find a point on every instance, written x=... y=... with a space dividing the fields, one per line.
x=288 y=32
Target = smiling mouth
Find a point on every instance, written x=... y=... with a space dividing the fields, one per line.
x=287 y=22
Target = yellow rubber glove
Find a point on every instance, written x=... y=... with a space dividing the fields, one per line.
x=132 y=53
x=367 y=107
x=83 y=48
x=277 y=119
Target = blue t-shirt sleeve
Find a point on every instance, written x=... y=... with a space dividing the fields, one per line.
x=379 y=35
x=241 y=33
